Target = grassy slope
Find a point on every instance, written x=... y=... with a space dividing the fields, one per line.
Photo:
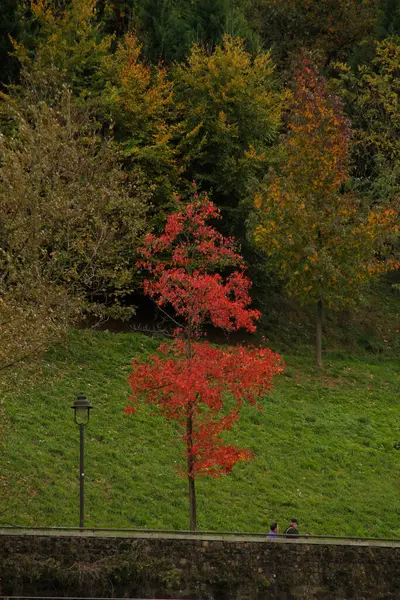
x=323 y=448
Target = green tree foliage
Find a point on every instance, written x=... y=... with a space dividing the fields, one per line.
x=10 y=25
x=315 y=232
x=69 y=49
x=168 y=28
x=129 y=99
x=331 y=28
x=228 y=112
x=371 y=94
x=214 y=117
x=69 y=222
x=138 y=99
x=212 y=120
x=389 y=19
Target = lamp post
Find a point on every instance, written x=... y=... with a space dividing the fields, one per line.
x=81 y=408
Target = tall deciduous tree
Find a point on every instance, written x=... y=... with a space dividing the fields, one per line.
x=315 y=232
x=228 y=114
x=190 y=382
x=112 y=80
x=139 y=100
x=70 y=219
x=69 y=48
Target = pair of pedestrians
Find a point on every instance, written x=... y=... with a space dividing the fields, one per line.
x=290 y=532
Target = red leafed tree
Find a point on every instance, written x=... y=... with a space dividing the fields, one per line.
x=199 y=386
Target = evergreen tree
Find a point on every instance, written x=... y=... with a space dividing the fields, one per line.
x=168 y=28
x=332 y=29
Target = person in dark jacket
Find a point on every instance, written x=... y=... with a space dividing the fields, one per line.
x=292 y=531
x=273 y=531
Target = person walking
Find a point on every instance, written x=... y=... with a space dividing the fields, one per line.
x=292 y=531
x=273 y=531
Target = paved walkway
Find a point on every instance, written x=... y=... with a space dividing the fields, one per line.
x=201 y=535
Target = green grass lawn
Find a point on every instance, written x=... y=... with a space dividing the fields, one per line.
x=323 y=445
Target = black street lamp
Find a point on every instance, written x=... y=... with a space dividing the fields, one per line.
x=81 y=408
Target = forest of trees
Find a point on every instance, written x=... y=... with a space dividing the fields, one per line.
x=286 y=114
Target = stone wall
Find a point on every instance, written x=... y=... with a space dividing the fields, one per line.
x=195 y=567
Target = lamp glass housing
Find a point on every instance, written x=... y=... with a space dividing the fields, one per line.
x=82 y=409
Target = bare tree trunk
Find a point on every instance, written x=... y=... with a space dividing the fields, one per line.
x=189 y=450
x=320 y=312
x=192 y=489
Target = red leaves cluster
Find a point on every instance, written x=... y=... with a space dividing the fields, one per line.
x=199 y=386
x=209 y=387
x=183 y=262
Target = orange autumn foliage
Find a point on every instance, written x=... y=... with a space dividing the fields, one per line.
x=314 y=230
